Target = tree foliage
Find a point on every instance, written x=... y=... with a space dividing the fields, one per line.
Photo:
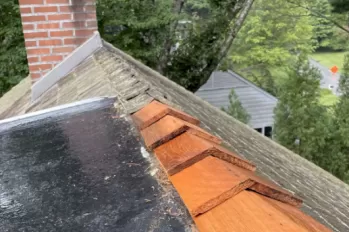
x=137 y=27
x=235 y=108
x=270 y=38
x=13 y=60
x=152 y=31
x=326 y=35
x=299 y=118
x=341 y=126
x=306 y=127
x=340 y=5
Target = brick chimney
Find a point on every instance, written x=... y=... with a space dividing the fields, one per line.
x=53 y=29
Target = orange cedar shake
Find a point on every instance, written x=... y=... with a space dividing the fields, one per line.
x=247 y=212
x=155 y=111
x=169 y=127
x=187 y=149
x=207 y=184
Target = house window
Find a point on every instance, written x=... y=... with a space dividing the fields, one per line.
x=259 y=130
x=268 y=131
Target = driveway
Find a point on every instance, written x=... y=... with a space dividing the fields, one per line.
x=327 y=77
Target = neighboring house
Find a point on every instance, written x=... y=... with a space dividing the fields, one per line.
x=100 y=142
x=258 y=103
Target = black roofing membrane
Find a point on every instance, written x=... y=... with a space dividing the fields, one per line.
x=82 y=171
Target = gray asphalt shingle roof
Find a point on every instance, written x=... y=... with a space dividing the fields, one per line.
x=258 y=103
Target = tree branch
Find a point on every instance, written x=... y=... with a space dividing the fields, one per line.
x=244 y=7
x=234 y=30
x=320 y=15
x=164 y=58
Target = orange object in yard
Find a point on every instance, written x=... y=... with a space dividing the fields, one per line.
x=334 y=69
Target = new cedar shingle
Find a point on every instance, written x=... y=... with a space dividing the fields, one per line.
x=250 y=212
x=187 y=149
x=169 y=127
x=208 y=183
x=155 y=111
x=299 y=217
x=267 y=188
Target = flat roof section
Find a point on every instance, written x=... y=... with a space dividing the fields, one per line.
x=82 y=171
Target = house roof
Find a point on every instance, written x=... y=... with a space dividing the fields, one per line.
x=219 y=188
x=110 y=72
x=258 y=103
x=92 y=174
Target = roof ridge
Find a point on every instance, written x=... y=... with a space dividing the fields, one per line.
x=135 y=90
x=148 y=71
x=204 y=173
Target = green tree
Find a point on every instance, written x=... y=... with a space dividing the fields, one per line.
x=326 y=35
x=270 y=38
x=13 y=60
x=235 y=108
x=340 y=5
x=151 y=31
x=322 y=28
x=137 y=27
x=341 y=127
x=299 y=118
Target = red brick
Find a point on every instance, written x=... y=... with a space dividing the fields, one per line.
x=84 y=16
x=65 y=9
x=74 y=8
x=63 y=49
x=51 y=58
x=90 y=8
x=45 y=9
x=38 y=51
x=35 y=75
x=61 y=33
x=50 y=42
x=75 y=24
x=84 y=32
x=91 y=23
x=48 y=26
x=59 y=17
x=39 y=18
x=39 y=67
x=57 y=1
x=76 y=41
x=31 y=35
x=30 y=44
x=28 y=27
x=30 y=2
x=26 y=10
x=83 y=2
x=33 y=59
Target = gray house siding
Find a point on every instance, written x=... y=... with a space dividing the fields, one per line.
x=258 y=103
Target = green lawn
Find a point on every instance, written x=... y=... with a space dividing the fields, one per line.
x=330 y=59
x=327 y=98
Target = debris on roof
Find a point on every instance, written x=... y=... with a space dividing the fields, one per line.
x=208 y=184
